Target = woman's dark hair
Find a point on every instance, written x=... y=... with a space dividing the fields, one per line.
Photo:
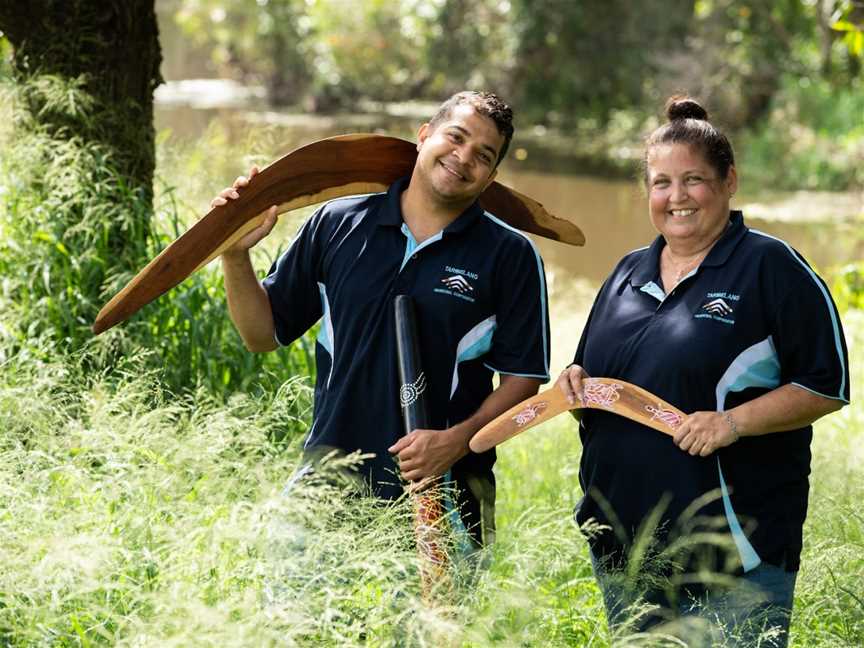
x=688 y=124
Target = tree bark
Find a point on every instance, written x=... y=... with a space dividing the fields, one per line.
x=84 y=151
x=112 y=46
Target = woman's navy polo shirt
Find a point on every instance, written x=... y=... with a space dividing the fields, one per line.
x=753 y=316
x=480 y=295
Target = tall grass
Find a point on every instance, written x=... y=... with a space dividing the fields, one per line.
x=72 y=234
x=131 y=517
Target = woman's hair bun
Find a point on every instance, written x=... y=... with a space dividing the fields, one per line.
x=681 y=107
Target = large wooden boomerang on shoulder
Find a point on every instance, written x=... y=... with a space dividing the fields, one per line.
x=326 y=169
x=610 y=394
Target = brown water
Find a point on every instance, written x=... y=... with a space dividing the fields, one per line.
x=827 y=228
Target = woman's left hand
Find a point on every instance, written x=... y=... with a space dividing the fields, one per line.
x=702 y=433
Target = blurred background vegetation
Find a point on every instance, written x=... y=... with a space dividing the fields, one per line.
x=142 y=471
x=560 y=62
x=82 y=212
x=787 y=72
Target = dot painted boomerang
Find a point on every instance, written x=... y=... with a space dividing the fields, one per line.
x=610 y=394
x=326 y=169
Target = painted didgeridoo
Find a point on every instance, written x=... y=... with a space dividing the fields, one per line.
x=610 y=394
x=330 y=168
x=413 y=401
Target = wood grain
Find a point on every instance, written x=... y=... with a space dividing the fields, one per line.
x=610 y=394
x=326 y=169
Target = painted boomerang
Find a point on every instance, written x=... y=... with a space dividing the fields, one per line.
x=326 y=169
x=610 y=394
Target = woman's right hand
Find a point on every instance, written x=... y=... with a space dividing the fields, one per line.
x=570 y=382
x=252 y=238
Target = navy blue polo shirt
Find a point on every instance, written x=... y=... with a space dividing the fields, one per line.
x=480 y=295
x=753 y=316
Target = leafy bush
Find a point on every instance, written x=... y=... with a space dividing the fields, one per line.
x=848 y=287
x=813 y=139
x=74 y=233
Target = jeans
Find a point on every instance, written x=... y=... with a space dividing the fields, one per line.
x=754 y=611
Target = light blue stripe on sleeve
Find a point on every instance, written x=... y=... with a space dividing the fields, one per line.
x=542 y=276
x=325 y=332
x=756 y=366
x=473 y=344
x=831 y=311
x=513 y=373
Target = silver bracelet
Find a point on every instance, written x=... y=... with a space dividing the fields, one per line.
x=732 y=425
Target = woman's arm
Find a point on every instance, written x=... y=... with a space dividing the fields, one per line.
x=786 y=408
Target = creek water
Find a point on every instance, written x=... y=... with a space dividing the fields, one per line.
x=827 y=228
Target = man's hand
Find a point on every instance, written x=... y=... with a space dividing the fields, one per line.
x=424 y=454
x=428 y=453
x=254 y=237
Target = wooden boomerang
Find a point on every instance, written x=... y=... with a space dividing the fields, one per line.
x=610 y=394
x=323 y=170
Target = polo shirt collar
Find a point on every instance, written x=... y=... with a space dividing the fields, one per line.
x=392 y=213
x=647 y=269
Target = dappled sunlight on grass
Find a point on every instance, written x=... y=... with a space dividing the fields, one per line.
x=133 y=517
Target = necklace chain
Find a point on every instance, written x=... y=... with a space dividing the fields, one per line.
x=687 y=267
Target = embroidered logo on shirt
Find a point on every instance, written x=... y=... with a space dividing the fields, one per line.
x=457 y=282
x=718 y=306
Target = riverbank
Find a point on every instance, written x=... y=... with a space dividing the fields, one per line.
x=811 y=140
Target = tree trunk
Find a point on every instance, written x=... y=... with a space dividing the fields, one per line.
x=113 y=47
x=83 y=156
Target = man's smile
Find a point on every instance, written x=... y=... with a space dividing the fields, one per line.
x=452 y=171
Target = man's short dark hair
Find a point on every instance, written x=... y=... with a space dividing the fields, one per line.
x=483 y=103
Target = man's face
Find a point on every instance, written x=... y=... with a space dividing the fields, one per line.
x=457 y=159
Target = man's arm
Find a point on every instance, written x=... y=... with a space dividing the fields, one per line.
x=429 y=453
x=248 y=303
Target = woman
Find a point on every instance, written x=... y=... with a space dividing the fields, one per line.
x=731 y=325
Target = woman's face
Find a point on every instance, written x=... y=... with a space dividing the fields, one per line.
x=687 y=201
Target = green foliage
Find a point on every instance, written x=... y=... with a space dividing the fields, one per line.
x=848 y=287
x=74 y=233
x=850 y=22
x=813 y=138
x=130 y=517
x=268 y=41
x=69 y=220
x=87 y=71
x=575 y=60
x=558 y=61
x=333 y=53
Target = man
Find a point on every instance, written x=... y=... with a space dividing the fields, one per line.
x=479 y=291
